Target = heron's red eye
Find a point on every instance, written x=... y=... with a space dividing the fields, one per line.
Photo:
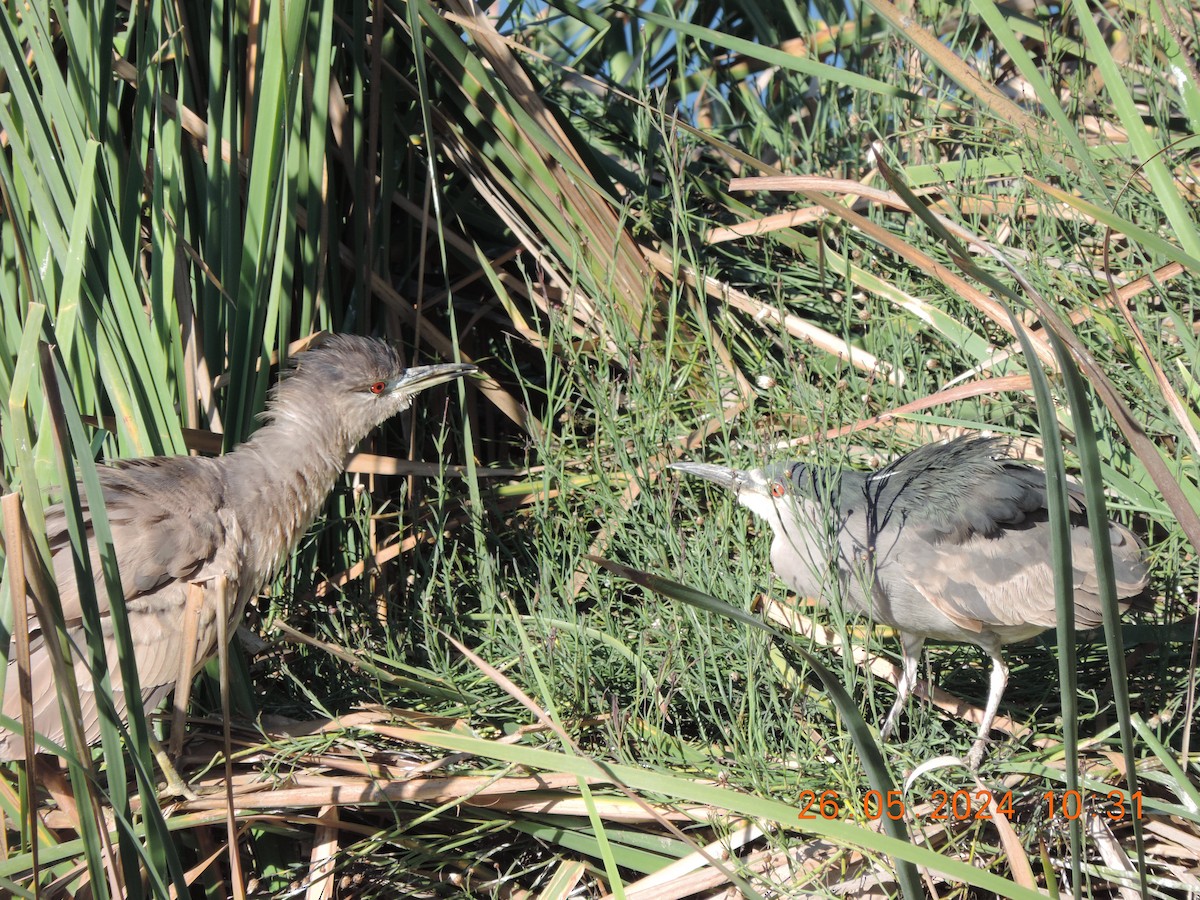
x=379 y=387
x=777 y=489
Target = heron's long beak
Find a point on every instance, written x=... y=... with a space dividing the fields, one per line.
x=419 y=378
x=733 y=479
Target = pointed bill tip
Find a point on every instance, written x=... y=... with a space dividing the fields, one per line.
x=419 y=378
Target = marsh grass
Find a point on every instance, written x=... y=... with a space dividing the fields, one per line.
x=551 y=191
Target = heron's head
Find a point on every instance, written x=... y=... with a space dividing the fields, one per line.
x=759 y=490
x=774 y=493
x=361 y=381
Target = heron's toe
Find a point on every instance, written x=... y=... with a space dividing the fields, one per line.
x=975 y=757
x=176 y=785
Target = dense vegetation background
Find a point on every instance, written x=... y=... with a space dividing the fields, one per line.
x=726 y=232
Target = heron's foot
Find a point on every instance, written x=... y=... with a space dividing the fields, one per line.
x=888 y=727
x=975 y=757
x=176 y=785
x=889 y=724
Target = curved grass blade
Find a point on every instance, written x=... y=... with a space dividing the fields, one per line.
x=1089 y=456
x=159 y=849
x=1059 y=515
x=1060 y=555
x=743 y=805
x=873 y=762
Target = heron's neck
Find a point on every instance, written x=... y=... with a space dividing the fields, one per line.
x=803 y=548
x=279 y=480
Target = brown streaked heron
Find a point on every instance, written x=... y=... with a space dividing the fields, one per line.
x=184 y=521
x=951 y=542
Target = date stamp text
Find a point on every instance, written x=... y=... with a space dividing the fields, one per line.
x=966 y=804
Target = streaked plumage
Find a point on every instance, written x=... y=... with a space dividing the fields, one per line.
x=183 y=520
x=951 y=541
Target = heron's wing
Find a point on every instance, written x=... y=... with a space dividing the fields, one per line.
x=950 y=492
x=168 y=531
x=1007 y=580
x=166 y=526
x=157 y=647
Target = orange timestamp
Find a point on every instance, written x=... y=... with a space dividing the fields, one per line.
x=962 y=804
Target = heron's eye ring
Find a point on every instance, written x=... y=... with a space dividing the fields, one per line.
x=379 y=387
x=777 y=489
